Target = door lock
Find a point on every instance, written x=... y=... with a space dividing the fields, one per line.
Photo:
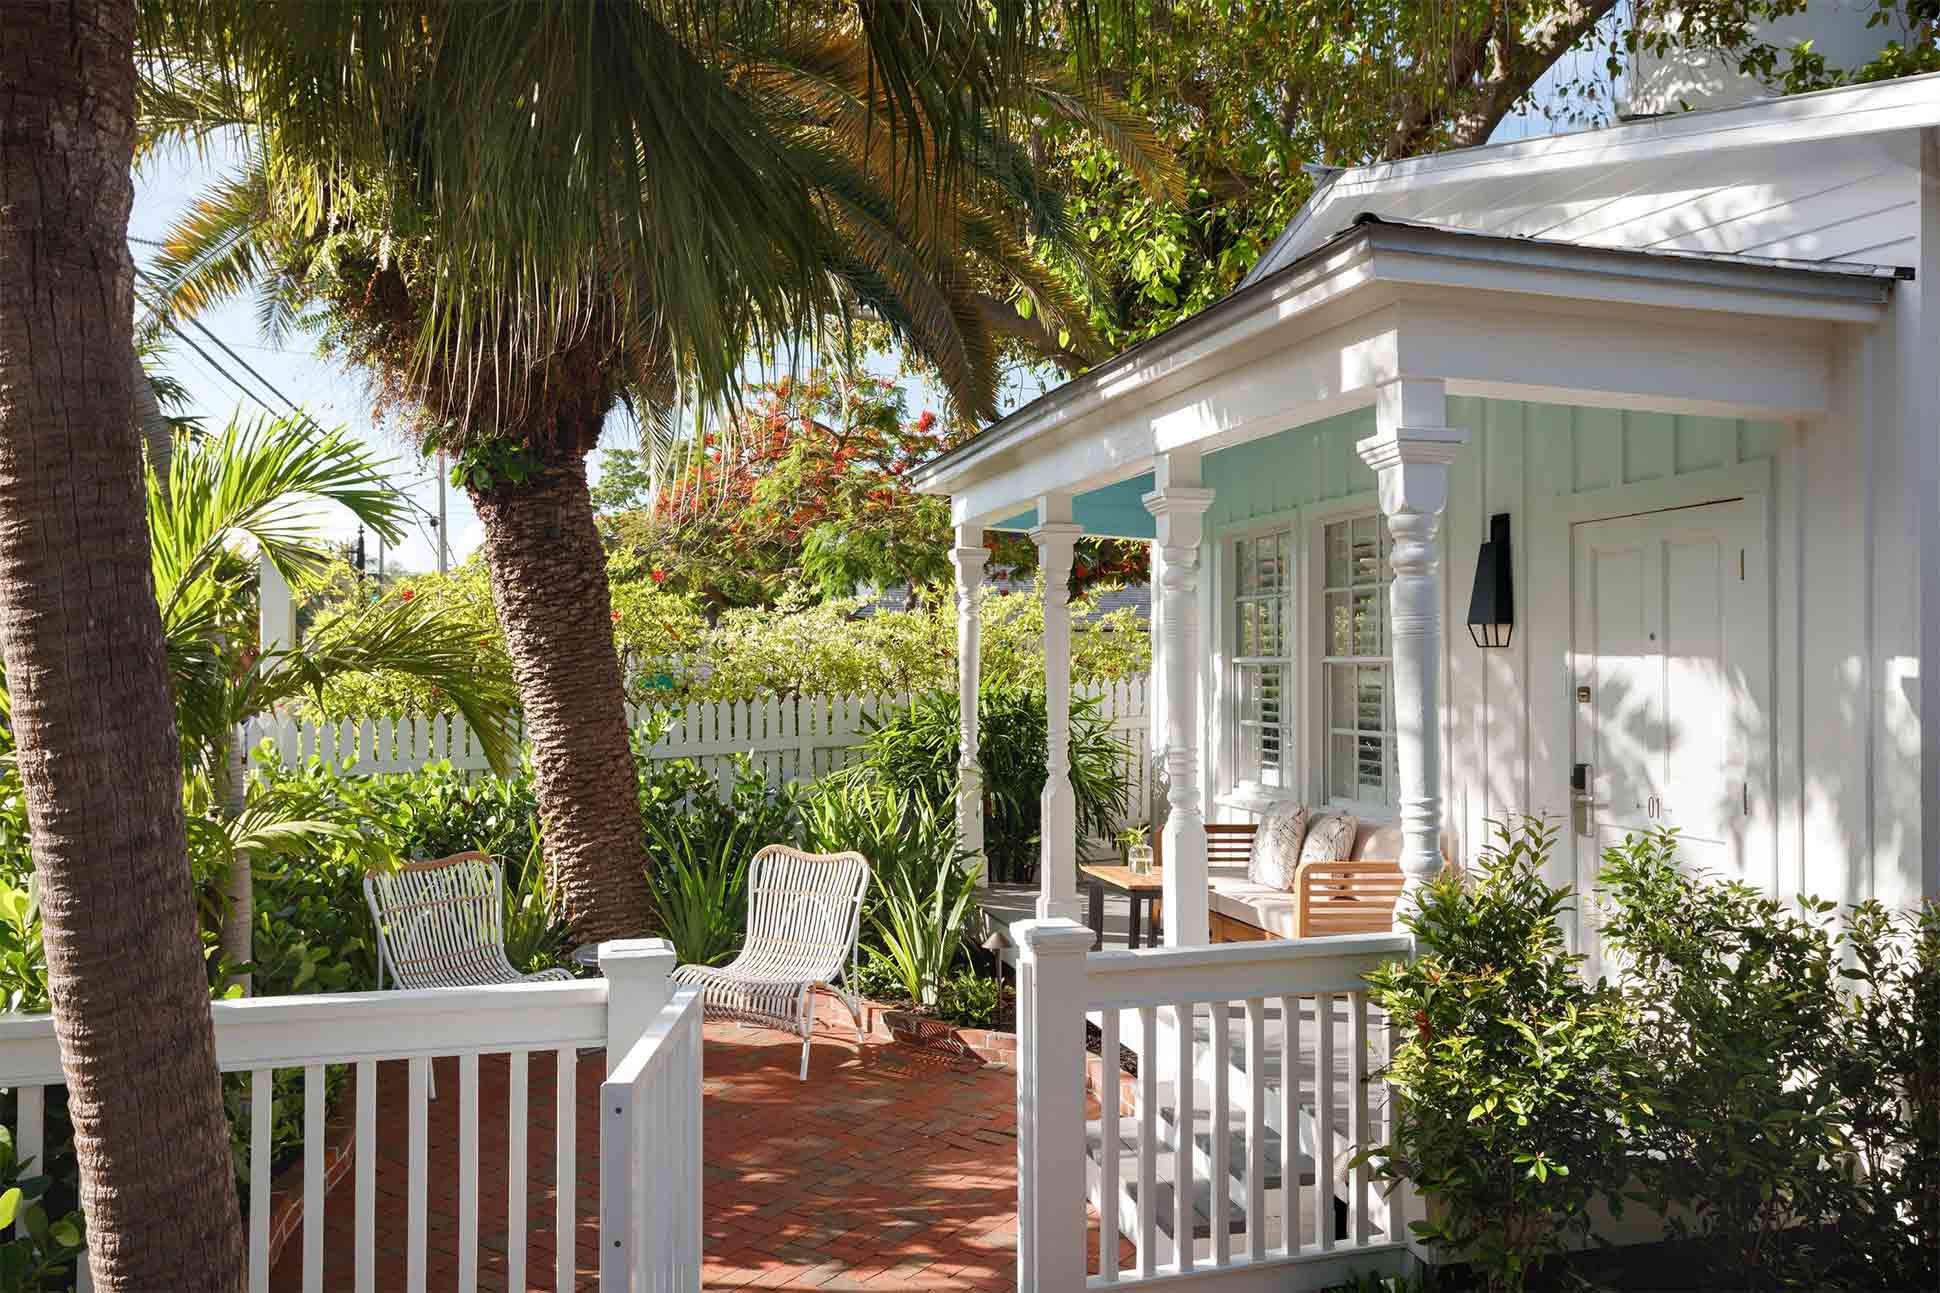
x=1580 y=800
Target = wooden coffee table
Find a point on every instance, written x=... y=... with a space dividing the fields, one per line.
x=1147 y=887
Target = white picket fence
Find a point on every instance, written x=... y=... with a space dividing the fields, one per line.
x=793 y=738
x=650 y=1159
x=1258 y=1074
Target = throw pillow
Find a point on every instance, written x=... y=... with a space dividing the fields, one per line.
x=1276 y=846
x=1330 y=838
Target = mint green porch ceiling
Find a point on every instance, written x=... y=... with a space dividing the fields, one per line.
x=1115 y=511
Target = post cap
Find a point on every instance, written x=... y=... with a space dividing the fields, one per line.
x=1056 y=936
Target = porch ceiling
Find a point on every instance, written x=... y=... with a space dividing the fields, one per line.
x=1485 y=315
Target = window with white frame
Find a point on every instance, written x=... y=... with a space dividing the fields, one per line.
x=1263 y=659
x=1357 y=673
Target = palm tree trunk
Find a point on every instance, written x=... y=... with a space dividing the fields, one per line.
x=82 y=639
x=549 y=585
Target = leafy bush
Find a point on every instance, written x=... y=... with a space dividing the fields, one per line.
x=1774 y=1082
x=44 y=1253
x=968 y=997
x=916 y=748
x=1888 y=1074
x=23 y=961
x=1516 y=1082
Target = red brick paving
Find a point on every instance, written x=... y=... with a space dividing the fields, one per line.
x=886 y=1170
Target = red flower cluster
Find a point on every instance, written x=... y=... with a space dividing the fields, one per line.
x=659 y=577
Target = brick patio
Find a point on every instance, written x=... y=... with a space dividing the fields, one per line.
x=885 y=1171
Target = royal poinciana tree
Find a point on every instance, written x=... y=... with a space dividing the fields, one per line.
x=100 y=764
x=799 y=170
x=807 y=484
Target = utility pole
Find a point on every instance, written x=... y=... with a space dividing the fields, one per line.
x=443 y=557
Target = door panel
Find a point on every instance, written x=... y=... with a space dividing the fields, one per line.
x=1671 y=681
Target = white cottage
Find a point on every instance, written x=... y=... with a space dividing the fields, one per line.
x=1692 y=364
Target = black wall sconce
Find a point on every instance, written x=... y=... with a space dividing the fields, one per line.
x=1492 y=607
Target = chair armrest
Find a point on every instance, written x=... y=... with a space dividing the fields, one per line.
x=1354 y=896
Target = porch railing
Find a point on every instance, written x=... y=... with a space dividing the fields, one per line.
x=631 y=1012
x=1228 y=1159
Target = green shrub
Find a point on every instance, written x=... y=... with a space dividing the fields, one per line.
x=44 y=1253
x=916 y=748
x=1772 y=1079
x=697 y=884
x=1515 y=1081
x=1887 y=1073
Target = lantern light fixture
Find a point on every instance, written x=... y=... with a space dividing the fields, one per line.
x=1492 y=606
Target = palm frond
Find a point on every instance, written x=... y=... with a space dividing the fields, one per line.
x=263 y=479
x=397 y=637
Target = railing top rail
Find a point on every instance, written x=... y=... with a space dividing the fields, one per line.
x=1237 y=971
x=653 y=1048
x=344 y=1027
x=1378 y=947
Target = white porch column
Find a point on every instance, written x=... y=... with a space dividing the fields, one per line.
x=1179 y=504
x=1057 y=872
x=969 y=557
x=1410 y=456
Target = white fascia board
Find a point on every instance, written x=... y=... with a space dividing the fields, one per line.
x=1910 y=103
x=1620 y=360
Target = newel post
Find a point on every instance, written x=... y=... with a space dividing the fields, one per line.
x=1056 y=537
x=969 y=556
x=638 y=987
x=1050 y=1104
x=1410 y=457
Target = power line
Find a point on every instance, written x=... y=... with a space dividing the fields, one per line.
x=168 y=321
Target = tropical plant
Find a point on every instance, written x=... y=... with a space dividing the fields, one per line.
x=901 y=832
x=920 y=927
x=1517 y=1083
x=99 y=760
x=698 y=886
x=270 y=482
x=915 y=748
x=536 y=937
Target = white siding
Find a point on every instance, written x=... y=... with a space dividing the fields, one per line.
x=1841 y=785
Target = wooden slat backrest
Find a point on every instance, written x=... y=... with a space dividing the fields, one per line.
x=1228 y=844
x=1354 y=897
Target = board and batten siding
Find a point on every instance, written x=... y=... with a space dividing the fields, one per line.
x=1507 y=721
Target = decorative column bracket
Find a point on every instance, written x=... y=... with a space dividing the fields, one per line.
x=1180 y=511
x=1411 y=464
x=969 y=560
x=1057 y=876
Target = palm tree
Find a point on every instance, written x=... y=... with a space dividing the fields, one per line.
x=883 y=236
x=82 y=640
x=272 y=482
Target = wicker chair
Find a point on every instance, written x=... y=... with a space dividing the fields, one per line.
x=441 y=924
x=804 y=915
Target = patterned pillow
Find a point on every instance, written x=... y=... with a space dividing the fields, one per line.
x=1330 y=838
x=1276 y=846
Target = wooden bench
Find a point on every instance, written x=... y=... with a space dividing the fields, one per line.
x=1356 y=896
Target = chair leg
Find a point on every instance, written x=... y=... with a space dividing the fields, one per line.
x=808 y=1027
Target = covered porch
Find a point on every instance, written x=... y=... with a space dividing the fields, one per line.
x=1340 y=434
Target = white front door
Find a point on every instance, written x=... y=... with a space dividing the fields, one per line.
x=1671 y=685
